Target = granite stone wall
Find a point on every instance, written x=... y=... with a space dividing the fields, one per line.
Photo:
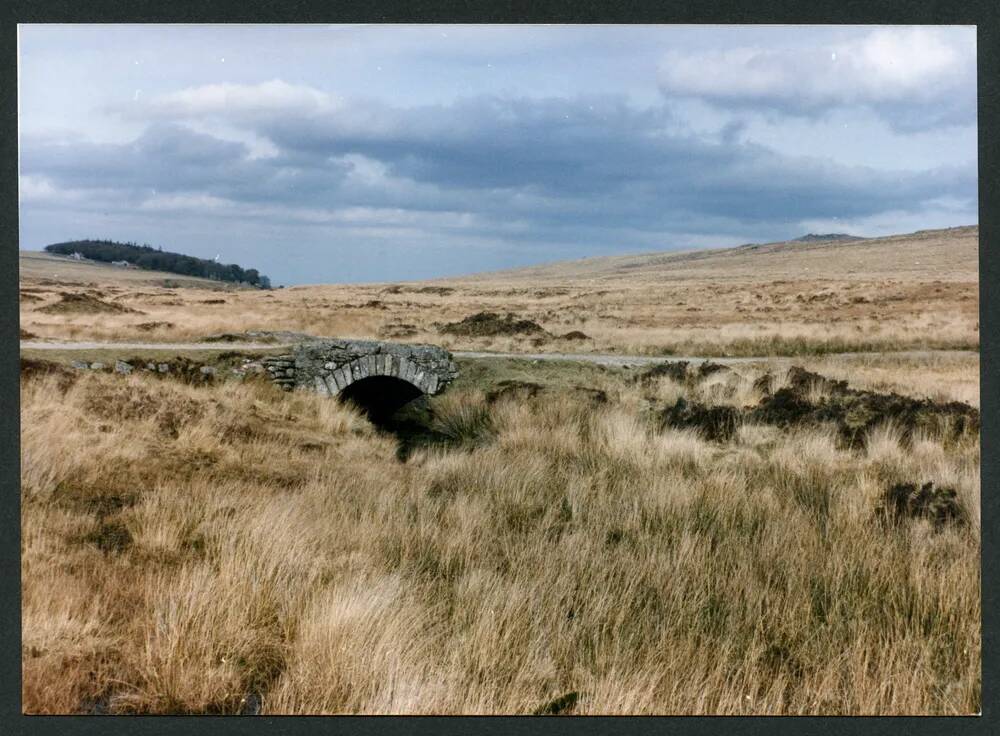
x=330 y=366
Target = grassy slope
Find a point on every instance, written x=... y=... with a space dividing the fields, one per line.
x=950 y=254
x=38 y=265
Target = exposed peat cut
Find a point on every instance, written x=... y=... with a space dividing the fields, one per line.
x=491 y=324
x=811 y=399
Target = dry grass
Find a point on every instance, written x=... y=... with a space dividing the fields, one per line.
x=940 y=378
x=230 y=547
x=907 y=292
x=61 y=270
x=200 y=549
x=949 y=254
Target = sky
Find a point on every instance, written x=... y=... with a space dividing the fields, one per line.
x=359 y=153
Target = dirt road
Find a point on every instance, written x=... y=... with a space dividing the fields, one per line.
x=628 y=360
x=598 y=358
x=40 y=345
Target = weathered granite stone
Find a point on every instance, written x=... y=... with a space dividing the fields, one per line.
x=97 y=366
x=330 y=366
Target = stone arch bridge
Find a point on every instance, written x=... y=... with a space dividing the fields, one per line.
x=379 y=376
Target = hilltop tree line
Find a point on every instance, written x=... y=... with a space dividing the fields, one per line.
x=157 y=259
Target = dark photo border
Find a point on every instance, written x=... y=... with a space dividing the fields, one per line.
x=982 y=13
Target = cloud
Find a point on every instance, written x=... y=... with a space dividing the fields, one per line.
x=915 y=77
x=311 y=149
x=597 y=158
x=235 y=100
x=35 y=189
x=564 y=166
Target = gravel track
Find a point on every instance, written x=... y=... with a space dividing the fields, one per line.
x=608 y=359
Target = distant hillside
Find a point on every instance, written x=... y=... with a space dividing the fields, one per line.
x=814 y=238
x=156 y=259
x=950 y=254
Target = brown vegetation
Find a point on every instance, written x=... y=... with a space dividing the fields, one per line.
x=230 y=548
x=918 y=291
x=152 y=326
x=490 y=324
x=83 y=303
x=783 y=536
x=809 y=399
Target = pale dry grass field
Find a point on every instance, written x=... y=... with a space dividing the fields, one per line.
x=42 y=266
x=212 y=549
x=917 y=291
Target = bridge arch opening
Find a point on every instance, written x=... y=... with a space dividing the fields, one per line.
x=380 y=397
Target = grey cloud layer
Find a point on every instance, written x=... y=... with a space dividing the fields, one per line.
x=555 y=164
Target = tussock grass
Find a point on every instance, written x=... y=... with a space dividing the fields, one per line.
x=279 y=553
x=463 y=420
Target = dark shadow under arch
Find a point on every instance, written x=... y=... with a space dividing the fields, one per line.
x=380 y=397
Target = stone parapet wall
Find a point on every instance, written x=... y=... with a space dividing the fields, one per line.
x=330 y=366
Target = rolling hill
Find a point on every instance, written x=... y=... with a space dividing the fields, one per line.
x=946 y=255
x=36 y=266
